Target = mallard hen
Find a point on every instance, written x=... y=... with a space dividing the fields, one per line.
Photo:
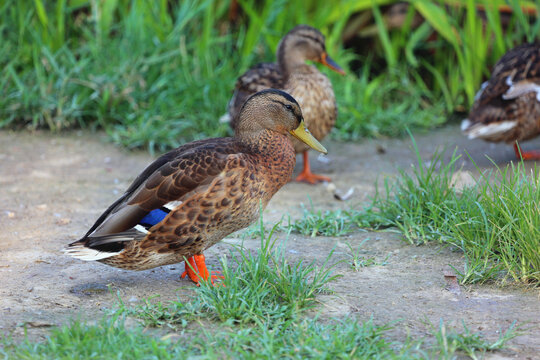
x=192 y=197
x=311 y=88
x=507 y=107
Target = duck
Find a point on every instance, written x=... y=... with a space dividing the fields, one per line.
x=311 y=88
x=507 y=107
x=192 y=197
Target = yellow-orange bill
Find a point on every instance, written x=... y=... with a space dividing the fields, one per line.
x=329 y=62
x=303 y=134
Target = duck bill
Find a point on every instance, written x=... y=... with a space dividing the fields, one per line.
x=303 y=134
x=329 y=62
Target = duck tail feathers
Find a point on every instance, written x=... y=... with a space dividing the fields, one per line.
x=80 y=251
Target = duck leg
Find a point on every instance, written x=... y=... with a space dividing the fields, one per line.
x=196 y=270
x=526 y=155
x=306 y=174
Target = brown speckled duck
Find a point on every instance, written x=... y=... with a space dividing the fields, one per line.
x=311 y=88
x=192 y=197
x=507 y=108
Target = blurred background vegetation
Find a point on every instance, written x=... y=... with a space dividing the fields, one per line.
x=155 y=74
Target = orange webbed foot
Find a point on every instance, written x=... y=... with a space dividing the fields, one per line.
x=531 y=155
x=196 y=270
x=526 y=155
x=311 y=178
x=307 y=176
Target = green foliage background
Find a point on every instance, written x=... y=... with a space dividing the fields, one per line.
x=155 y=74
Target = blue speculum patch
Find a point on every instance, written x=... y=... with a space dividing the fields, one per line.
x=153 y=217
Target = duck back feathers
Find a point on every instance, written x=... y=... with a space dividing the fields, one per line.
x=507 y=107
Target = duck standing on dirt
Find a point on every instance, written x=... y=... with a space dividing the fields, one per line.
x=507 y=108
x=311 y=88
x=192 y=197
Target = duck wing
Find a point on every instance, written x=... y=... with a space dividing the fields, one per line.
x=162 y=185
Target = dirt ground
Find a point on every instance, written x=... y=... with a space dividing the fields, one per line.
x=53 y=187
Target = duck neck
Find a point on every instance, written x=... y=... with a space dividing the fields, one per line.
x=266 y=142
x=272 y=154
x=289 y=57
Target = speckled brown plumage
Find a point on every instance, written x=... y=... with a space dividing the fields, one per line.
x=220 y=185
x=311 y=88
x=215 y=187
x=507 y=108
x=261 y=76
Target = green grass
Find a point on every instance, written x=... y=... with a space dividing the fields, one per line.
x=158 y=74
x=337 y=222
x=495 y=222
x=420 y=204
x=384 y=105
x=319 y=223
x=108 y=339
x=450 y=342
x=501 y=231
x=307 y=338
x=264 y=288
x=134 y=86
x=357 y=261
x=304 y=339
x=455 y=48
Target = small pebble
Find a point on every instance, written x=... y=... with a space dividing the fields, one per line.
x=63 y=221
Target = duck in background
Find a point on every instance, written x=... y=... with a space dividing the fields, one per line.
x=193 y=196
x=507 y=107
x=311 y=88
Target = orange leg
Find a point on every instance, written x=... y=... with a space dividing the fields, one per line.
x=306 y=174
x=198 y=270
x=526 y=155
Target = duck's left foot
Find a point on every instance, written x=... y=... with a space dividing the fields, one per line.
x=307 y=176
x=196 y=270
x=531 y=155
x=526 y=155
x=311 y=178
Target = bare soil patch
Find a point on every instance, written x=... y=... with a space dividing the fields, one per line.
x=52 y=188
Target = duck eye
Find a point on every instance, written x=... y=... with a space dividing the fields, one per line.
x=288 y=107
